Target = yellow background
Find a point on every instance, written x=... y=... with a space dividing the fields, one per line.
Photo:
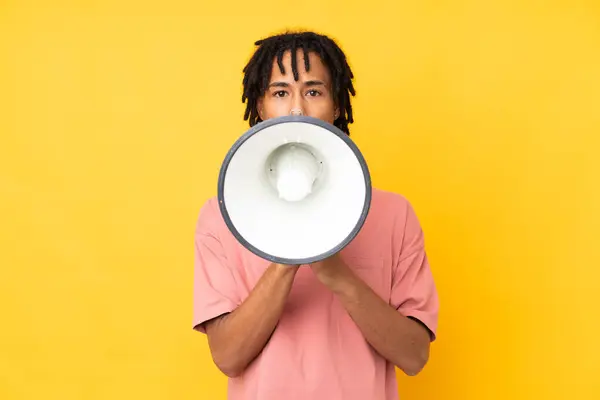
x=116 y=115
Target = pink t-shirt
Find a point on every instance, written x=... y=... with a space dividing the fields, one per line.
x=316 y=351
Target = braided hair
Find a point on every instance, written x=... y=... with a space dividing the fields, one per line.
x=258 y=71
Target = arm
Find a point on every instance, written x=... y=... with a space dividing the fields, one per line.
x=401 y=340
x=402 y=330
x=237 y=324
x=236 y=338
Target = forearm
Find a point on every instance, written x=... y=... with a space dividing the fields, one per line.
x=399 y=339
x=238 y=337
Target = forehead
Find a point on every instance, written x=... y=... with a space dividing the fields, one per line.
x=317 y=69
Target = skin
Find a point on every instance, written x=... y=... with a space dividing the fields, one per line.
x=399 y=339
x=311 y=93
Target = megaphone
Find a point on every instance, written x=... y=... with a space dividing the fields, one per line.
x=294 y=190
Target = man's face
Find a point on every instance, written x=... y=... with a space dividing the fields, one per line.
x=311 y=95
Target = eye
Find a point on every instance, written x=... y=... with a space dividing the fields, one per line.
x=279 y=93
x=313 y=92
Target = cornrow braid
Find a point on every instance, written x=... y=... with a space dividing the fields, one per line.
x=258 y=71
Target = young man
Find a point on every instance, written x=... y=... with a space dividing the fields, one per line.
x=335 y=329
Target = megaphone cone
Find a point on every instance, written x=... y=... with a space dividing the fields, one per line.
x=294 y=190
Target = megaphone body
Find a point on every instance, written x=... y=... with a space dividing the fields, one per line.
x=294 y=190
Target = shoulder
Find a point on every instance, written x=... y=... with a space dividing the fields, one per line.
x=389 y=204
x=396 y=211
x=209 y=218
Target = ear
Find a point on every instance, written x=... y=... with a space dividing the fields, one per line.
x=259 y=108
x=336 y=114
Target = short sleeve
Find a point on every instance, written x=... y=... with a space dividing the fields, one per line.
x=413 y=288
x=215 y=289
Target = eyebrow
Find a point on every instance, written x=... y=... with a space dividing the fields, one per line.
x=307 y=83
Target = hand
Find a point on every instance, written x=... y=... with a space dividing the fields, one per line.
x=331 y=269
x=286 y=268
x=287 y=265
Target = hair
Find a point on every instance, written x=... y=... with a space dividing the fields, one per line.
x=257 y=72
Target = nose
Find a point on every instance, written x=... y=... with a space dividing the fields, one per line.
x=297 y=106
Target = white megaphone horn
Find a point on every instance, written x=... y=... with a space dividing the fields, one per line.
x=294 y=190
